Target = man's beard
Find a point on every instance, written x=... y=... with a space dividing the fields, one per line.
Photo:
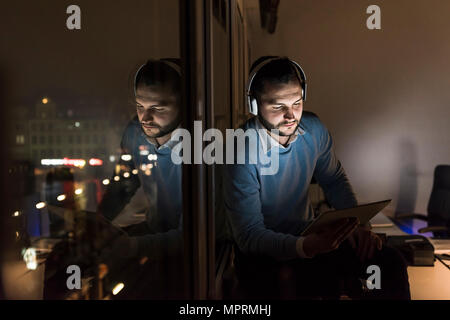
x=162 y=130
x=270 y=126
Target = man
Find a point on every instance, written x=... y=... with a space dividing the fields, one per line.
x=267 y=213
x=147 y=171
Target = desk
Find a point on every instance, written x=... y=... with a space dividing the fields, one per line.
x=430 y=283
x=426 y=283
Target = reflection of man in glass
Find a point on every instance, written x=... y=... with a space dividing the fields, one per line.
x=157 y=89
x=149 y=183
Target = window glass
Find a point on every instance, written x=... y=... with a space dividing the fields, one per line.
x=96 y=210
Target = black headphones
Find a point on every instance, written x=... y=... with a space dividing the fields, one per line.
x=251 y=100
x=172 y=63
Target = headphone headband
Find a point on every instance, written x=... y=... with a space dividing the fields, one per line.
x=251 y=101
x=167 y=62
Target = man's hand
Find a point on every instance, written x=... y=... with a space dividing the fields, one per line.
x=330 y=237
x=365 y=242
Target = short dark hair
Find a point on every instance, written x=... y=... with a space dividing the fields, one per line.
x=278 y=71
x=158 y=73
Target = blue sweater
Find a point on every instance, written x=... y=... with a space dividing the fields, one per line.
x=267 y=213
x=162 y=189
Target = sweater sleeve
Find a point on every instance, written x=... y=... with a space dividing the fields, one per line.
x=243 y=207
x=331 y=175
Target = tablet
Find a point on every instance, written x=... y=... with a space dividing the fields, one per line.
x=363 y=212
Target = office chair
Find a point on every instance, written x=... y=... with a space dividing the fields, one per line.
x=438 y=206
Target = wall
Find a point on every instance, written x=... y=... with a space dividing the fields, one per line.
x=383 y=94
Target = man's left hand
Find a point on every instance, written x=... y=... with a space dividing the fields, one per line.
x=364 y=242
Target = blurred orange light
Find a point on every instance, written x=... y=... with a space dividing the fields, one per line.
x=118 y=288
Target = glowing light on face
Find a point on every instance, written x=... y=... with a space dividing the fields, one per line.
x=61 y=197
x=281 y=107
x=105 y=182
x=117 y=288
x=40 y=205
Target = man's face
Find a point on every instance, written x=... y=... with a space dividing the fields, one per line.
x=281 y=107
x=157 y=109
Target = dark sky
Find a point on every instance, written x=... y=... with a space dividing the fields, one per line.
x=40 y=56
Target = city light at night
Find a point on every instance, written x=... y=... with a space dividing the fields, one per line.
x=95 y=162
x=29 y=256
x=126 y=157
x=118 y=288
x=80 y=163
x=40 y=205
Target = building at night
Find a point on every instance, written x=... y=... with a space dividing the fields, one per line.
x=53 y=133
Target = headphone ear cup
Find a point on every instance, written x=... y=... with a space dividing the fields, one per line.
x=253 y=106
x=304 y=92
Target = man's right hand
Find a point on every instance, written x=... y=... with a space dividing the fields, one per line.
x=330 y=237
